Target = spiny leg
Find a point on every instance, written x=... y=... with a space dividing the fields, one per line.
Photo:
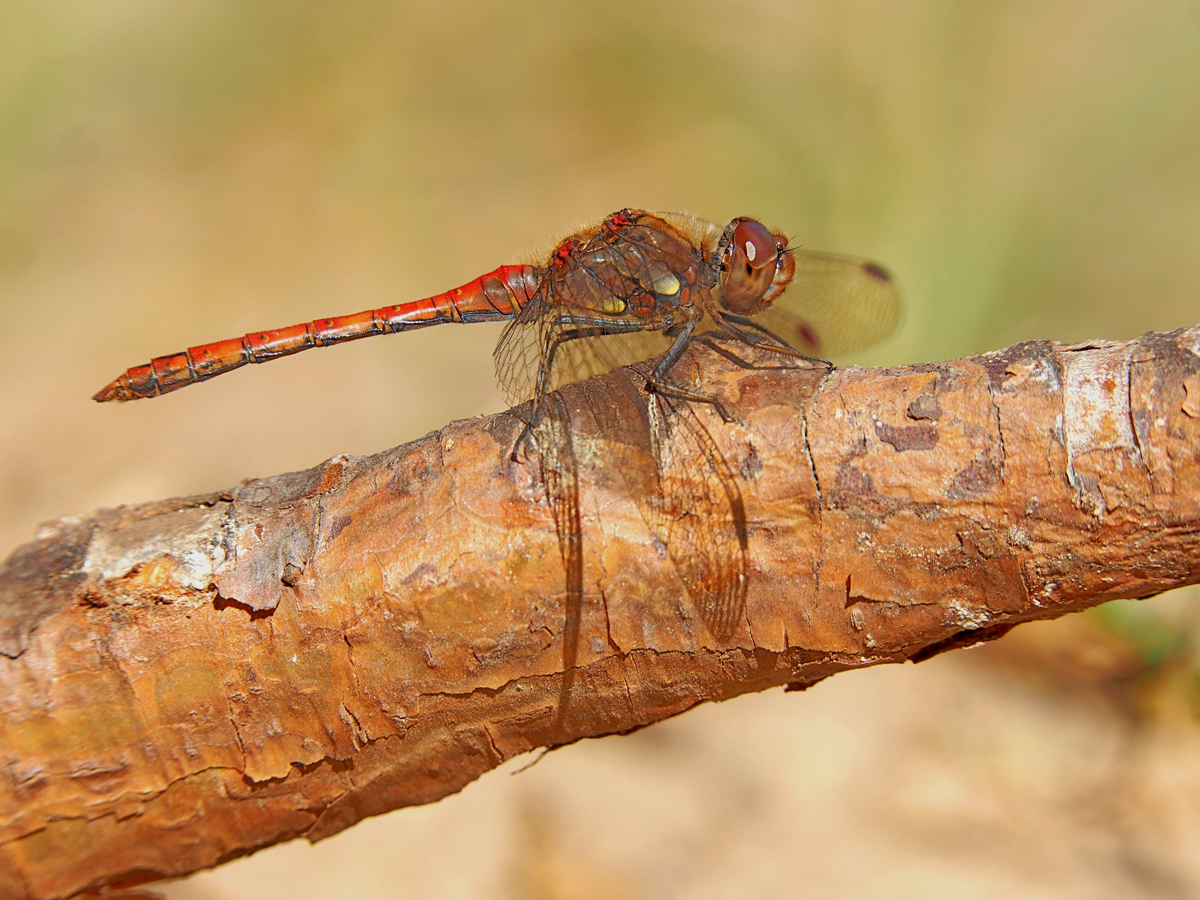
x=657 y=383
x=727 y=321
x=748 y=322
x=718 y=342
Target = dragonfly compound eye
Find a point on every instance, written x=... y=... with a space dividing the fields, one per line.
x=751 y=260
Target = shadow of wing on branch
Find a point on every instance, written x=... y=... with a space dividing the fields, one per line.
x=560 y=475
x=668 y=463
x=698 y=514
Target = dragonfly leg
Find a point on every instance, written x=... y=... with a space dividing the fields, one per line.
x=521 y=439
x=675 y=392
x=658 y=384
x=727 y=322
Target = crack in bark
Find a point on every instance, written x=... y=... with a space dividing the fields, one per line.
x=1133 y=426
x=237 y=731
x=497 y=754
x=812 y=466
x=991 y=389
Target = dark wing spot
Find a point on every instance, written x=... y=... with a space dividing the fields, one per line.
x=877 y=271
x=808 y=338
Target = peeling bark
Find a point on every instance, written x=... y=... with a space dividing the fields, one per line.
x=187 y=681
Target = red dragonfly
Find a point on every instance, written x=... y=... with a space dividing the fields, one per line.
x=633 y=286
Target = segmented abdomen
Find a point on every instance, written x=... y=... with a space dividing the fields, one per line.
x=495 y=296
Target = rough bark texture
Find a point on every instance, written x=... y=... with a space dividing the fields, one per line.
x=187 y=681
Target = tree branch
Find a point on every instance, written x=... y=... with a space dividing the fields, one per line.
x=187 y=681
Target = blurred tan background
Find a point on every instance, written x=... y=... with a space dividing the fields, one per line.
x=178 y=172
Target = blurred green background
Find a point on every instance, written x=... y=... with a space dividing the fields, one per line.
x=175 y=173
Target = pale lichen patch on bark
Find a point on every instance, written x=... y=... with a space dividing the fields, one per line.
x=1097 y=419
x=193 y=538
x=1096 y=400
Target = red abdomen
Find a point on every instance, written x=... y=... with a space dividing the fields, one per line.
x=496 y=296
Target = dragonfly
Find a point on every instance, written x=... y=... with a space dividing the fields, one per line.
x=634 y=287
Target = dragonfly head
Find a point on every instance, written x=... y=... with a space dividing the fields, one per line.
x=755 y=266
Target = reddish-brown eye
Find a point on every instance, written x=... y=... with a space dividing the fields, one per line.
x=751 y=263
x=752 y=240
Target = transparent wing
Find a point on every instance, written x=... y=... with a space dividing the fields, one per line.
x=518 y=354
x=834 y=305
x=526 y=340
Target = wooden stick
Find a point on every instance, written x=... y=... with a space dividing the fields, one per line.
x=187 y=681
